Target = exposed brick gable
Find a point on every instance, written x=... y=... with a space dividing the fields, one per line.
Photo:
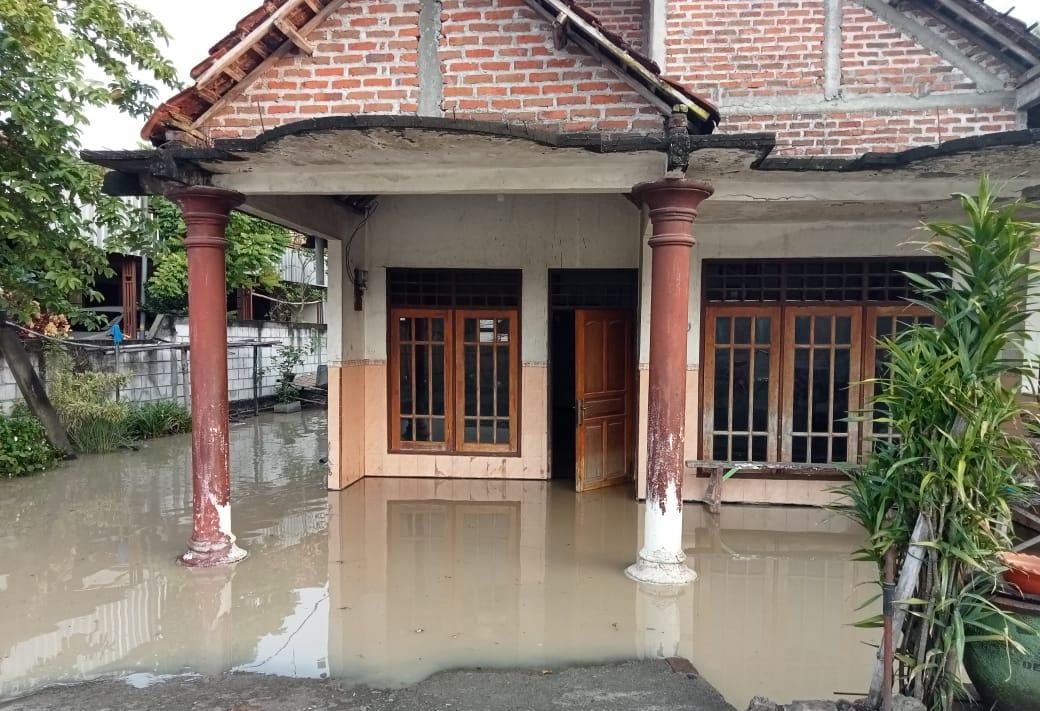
x=497 y=58
x=622 y=16
x=878 y=58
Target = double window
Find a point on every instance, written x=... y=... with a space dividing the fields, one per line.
x=454 y=351
x=787 y=346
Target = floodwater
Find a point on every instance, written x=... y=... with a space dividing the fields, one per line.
x=392 y=580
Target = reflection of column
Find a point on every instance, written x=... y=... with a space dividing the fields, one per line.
x=658 y=621
x=672 y=208
x=213 y=638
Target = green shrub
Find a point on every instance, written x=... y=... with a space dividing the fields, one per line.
x=94 y=421
x=158 y=419
x=23 y=446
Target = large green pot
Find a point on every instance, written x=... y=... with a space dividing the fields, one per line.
x=1009 y=684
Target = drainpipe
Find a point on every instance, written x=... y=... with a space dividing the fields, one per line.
x=672 y=207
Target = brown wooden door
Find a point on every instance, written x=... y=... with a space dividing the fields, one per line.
x=604 y=398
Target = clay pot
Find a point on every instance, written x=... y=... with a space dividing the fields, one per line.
x=1023 y=571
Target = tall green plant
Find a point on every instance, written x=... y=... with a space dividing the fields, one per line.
x=83 y=399
x=957 y=458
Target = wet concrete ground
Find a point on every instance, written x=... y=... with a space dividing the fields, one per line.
x=393 y=580
x=625 y=686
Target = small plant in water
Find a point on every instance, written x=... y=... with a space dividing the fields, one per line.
x=158 y=419
x=957 y=461
x=288 y=359
x=83 y=399
x=24 y=448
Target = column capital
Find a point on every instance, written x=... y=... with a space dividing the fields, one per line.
x=206 y=210
x=672 y=205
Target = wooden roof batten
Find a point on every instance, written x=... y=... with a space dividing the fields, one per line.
x=570 y=21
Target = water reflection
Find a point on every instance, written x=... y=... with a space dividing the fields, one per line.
x=395 y=579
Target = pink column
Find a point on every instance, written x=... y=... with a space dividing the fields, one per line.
x=672 y=208
x=206 y=211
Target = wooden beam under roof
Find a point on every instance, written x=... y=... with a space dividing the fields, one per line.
x=287 y=29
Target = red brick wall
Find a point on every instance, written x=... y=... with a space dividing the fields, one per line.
x=498 y=58
x=624 y=17
x=364 y=62
x=756 y=58
x=746 y=47
x=853 y=133
x=878 y=58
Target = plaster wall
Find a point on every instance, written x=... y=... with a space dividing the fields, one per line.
x=533 y=233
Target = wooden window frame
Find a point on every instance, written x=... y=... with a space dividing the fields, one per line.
x=856 y=337
x=394 y=380
x=774 y=312
x=862 y=360
x=454 y=384
x=458 y=381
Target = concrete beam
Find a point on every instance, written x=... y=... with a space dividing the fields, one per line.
x=832 y=39
x=431 y=74
x=1028 y=95
x=823 y=187
x=813 y=103
x=612 y=177
x=929 y=38
x=316 y=216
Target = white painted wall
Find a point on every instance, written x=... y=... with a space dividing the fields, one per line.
x=533 y=233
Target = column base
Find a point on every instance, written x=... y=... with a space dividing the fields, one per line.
x=657 y=572
x=202 y=555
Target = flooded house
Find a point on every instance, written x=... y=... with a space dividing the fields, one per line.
x=606 y=241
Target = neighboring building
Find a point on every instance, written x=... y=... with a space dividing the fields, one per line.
x=472 y=163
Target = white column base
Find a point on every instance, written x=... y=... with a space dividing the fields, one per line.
x=662 y=560
x=654 y=572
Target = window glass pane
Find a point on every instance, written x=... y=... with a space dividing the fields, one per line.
x=486 y=381
x=470 y=431
x=438 y=330
x=841 y=390
x=799 y=449
x=840 y=449
x=405 y=365
x=502 y=330
x=740 y=448
x=763 y=324
x=801 y=391
x=821 y=406
x=406 y=430
x=437 y=373
x=422 y=329
x=884 y=327
x=801 y=329
x=469 y=328
x=470 y=377
x=502 y=381
x=422 y=378
x=760 y=417
x=843 y=330
x=721 y=421
x=759 y=449
x=722 y=324
x=422 y=429
x=742 y=329
x=741 y=388
x=487 y=431
x=404 y=329
x=819 y=450
x=439 y=434
x=502 y=432
x=720 y=447
x=823 y=329
x=487 y=330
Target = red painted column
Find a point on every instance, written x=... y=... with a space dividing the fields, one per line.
x=206 y=212
x=672 y=208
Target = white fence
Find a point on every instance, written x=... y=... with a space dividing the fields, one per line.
x=164 y=373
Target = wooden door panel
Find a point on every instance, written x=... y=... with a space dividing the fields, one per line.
x=604 y=398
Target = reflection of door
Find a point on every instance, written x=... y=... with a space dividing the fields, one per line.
x=603 y=393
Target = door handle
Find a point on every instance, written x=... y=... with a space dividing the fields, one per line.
x=580 y=407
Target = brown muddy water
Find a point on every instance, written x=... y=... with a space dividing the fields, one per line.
x=392 y=580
